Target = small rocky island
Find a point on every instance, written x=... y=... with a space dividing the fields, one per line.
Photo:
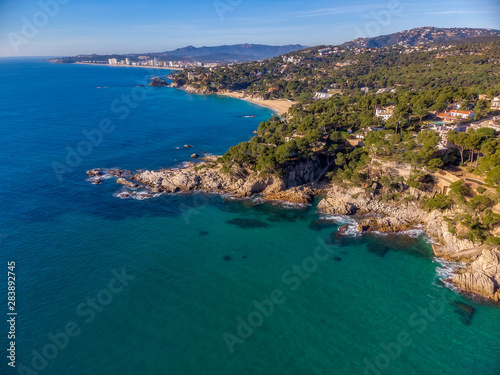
x=158 y=82
x=479 y=275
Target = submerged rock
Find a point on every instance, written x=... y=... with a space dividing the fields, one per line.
x=378 y=249
x=203 y=233
x=248 y=223
x=227 y=258
x=319 y=225
x=465 y=311
x=286 y=216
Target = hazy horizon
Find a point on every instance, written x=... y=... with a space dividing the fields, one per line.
x=66 y=27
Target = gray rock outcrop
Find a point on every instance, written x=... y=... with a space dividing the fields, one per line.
x=482 y=276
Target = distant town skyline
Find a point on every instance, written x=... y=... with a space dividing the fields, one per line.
x=72 y=27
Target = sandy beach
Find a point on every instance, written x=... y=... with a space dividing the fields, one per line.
x=281 y=106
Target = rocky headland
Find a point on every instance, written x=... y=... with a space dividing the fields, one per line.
x=480 y=270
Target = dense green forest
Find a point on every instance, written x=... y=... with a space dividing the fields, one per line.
x=345 y=135
x=465 y=65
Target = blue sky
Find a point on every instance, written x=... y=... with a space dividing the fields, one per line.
x=71 y=27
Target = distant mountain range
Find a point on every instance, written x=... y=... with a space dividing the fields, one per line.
x=423 y=35
x=237 y=52
x=251 y=52
x=219 y=54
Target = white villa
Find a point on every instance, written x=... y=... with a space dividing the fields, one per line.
x=455 y=115
x=384 y=113
x=495 y=103
x=325 y=94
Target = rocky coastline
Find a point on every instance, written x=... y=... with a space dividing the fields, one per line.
x=479 y=273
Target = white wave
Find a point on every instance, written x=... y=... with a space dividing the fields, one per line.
x=445 y=270
x=352 y=225
x=182 y=165
x=339 y=219
x=414 y=233
x=104 y=176
x=137 y=195
x=352 y=231
x=430 y=241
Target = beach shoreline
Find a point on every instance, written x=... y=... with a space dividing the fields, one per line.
x=281 y=106
x=130 y=66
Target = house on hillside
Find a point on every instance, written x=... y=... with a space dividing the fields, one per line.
x=384 y=89
x=375 y=128
x=384 y=113
x=495 y=103
x=294 y=135
x=325 y=94
x=455 y=105
x=455 y=115
x=325 y=51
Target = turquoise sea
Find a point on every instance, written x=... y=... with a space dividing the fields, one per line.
x=196 y=284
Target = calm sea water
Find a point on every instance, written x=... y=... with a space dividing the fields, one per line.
x=192 y=268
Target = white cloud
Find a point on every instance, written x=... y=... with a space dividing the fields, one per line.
x=457 y=12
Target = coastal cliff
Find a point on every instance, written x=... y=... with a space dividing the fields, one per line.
x=369 y=205
x=480 y=274
x=239 y=181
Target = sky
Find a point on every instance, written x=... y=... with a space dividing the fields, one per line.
x=71 y=27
